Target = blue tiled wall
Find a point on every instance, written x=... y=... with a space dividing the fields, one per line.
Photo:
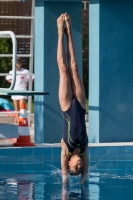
x=30 y=159
x=111 y=158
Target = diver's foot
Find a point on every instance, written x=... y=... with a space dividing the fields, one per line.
x=60 y=24
x=68 y=23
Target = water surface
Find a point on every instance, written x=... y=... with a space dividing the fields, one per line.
x=114 y=185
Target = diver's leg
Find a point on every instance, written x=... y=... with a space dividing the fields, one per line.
x=65 y=91
x=77 y=84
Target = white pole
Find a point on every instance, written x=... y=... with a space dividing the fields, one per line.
x=31 y=59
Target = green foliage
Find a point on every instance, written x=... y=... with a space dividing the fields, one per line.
x=5 y=63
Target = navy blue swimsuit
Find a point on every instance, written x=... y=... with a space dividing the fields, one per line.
x=74 y=133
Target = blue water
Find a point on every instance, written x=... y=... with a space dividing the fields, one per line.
x=113 y=185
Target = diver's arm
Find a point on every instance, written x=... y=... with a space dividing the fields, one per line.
x=85 y=160
x=64 y=161
x=64 y=191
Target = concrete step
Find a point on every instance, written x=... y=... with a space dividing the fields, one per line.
x=8 y=130
x=7 y=119
x=11 y=119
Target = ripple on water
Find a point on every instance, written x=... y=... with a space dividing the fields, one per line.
x=48 y=185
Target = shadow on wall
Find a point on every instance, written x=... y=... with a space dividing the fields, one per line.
x=46 y=106
x=94 y=1
x=120 y=9
x=113 y=129
x=116 y=71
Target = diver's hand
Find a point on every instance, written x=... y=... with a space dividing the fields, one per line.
x=84 y=178
x=65 y=177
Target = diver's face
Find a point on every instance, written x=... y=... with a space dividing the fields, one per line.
x=75 y=163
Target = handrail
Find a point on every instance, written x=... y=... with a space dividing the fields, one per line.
x=5 y=74
x=16 y=17
x=11 y=112
x=18 y=36
x=19 y=55
x=14 y=57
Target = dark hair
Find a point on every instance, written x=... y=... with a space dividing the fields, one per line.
x=19 y=60
x=75 y=173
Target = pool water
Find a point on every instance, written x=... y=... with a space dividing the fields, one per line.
x=114 y=185
x=34 y=173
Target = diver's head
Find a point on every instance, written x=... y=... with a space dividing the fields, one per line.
x=75 y=165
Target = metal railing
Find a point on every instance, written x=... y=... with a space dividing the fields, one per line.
x=14 y=41
x=30 y=55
